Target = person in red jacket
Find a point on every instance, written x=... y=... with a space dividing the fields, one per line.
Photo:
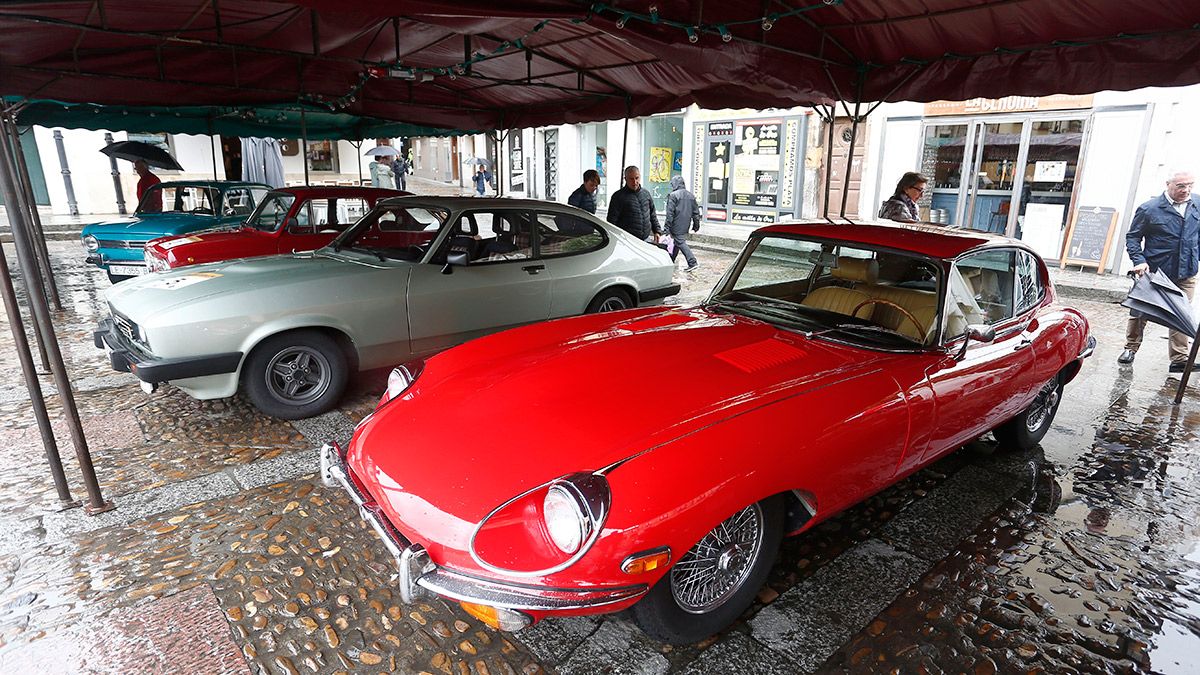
x=147 y=181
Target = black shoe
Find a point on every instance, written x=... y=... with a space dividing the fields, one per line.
x=1126 y=356
x=1177 y=367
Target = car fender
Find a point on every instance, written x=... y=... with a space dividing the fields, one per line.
x=673 y=494
x=292 y=322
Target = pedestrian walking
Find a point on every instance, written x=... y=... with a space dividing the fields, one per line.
x=1165 y=235
x=147 y=180
x=632 y=207
x=682 y=211
x=399 y=171
x=584 y=196
x=482 y=178
x=902 y=205
x=381 y=173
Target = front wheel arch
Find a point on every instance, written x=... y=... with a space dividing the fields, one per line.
x=628 y=294
x=339 y=362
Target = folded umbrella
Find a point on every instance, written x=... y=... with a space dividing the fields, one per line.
x=1156 y=298
x=148 y=153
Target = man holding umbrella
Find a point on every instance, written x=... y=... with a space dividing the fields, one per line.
x=1165 y=237
x=146 y=181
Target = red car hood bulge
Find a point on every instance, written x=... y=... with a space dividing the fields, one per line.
x=500 y=415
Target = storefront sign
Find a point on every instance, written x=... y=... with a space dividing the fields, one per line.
x=753 y=217
x=697 y=165
x=756 y=166
x=980 y=106
x=720 y=129
x=787 y=198
x=716 y=214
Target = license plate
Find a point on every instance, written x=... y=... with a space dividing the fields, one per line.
x=127 y=270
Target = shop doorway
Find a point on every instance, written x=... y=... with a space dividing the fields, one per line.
x=1014 y=176
x=231 y=155
x=837 y=172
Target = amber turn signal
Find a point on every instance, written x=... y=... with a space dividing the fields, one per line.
x=497 y=617
x=647 y=561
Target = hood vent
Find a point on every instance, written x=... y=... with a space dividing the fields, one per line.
x=761 y=355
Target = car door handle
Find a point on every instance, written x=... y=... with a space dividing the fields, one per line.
x=534 y=269
x=1025 y=342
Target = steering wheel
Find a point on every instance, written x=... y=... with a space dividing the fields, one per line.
x=880 y=301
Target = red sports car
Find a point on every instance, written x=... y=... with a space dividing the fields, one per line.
x=286 y=220
x=654 y=458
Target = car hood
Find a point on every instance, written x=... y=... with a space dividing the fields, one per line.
x=149 y=225
x=153 y=294
x=517 y=409
x=220 y=238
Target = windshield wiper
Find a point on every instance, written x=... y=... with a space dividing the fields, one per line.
x=858 y=327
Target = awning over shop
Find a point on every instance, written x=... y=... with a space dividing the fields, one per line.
x=482 y=65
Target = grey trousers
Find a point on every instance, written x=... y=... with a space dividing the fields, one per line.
x=682 y=247
x=1179 y=342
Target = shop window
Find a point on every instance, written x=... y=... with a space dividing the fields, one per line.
x=662 y=138
x=238 y=202
x=322 y=156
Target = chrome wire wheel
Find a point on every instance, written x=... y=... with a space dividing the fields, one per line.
x=719 y=564
x=1043 y=406
x=297 y=375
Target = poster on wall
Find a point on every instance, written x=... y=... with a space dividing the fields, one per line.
x=791 y=152
x=660 y=165
x=718 y=172
x=756 y=166
x=516 y=181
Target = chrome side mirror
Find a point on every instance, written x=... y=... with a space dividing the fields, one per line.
x=979 y=332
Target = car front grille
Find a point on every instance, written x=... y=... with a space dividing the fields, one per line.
x=126 y=328
x=120 y=243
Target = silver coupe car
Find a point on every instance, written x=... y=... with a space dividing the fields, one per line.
x=415 y=275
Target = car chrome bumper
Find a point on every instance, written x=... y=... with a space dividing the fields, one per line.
x=1088 y=347
x=418 y=575
x=125 y=358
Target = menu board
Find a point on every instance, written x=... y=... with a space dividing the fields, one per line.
x=1089 y=235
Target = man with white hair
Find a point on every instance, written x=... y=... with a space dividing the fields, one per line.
x=1165 y=235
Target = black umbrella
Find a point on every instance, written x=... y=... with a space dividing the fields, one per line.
x=148 y=153
x=1155 y=298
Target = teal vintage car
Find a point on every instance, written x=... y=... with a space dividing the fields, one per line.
x=178 y=207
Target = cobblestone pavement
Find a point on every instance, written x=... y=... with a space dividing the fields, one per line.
x=225 y=555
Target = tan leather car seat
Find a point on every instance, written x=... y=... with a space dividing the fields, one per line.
x=921 y=304
x=841 y=299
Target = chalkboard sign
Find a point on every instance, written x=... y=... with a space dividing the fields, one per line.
x=1088 y=236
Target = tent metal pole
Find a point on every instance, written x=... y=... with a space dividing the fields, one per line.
x=38 y=234
x=31 y=381
x=41 y=315
x=212 y=144
x=828 y=159
x=625 y=139
x=66 y=172
x=304 y=143
x=116 y=174
x=18 y=220
x=854 y=120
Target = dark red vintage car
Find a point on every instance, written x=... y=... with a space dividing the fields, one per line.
x=286 y=220
x=654 y=458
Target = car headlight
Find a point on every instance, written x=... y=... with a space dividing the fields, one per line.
x=90 y=243
x=564 y=518
x=545 y=529
x=401 y=378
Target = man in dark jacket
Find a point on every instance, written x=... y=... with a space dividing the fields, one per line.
x=584 y=196
x=632 y=207
x=1169 y=226
x=682 y=211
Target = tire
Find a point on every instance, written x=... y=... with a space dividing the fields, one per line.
x=1027 y=429
x=296 y=374
x=609 y=300
x=117 y=278
x=676 y=613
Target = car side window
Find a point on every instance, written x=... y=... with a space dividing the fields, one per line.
x=350 y=210
x=1029 y=283
x=566 y=234
x=988 y=279
x=498 y=236
x=238 y=202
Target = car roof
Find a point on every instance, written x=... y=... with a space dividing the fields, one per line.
x=219 y=184
x=456 y=203
x=311 y=191
x=935 y=241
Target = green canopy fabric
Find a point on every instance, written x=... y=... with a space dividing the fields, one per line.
x=243 y=121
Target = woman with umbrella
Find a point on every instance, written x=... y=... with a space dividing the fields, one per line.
x=382 y=175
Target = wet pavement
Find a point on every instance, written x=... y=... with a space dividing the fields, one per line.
x=226 y=555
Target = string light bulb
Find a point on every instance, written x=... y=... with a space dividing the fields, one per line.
x=726 y=36
x=692 y=36
x=623 y=20
x=768 y=22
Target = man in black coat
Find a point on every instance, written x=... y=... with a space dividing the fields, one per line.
x=632 y=207
x=584 y=196
x=1169 y=226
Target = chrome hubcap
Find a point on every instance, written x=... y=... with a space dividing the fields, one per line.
x=298 y=375
x=719 y=564
x=1042 y=406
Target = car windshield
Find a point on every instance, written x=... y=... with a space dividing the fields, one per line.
x=837 y=290
x=194 y=199
x=269 y=215
x=394 y=232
